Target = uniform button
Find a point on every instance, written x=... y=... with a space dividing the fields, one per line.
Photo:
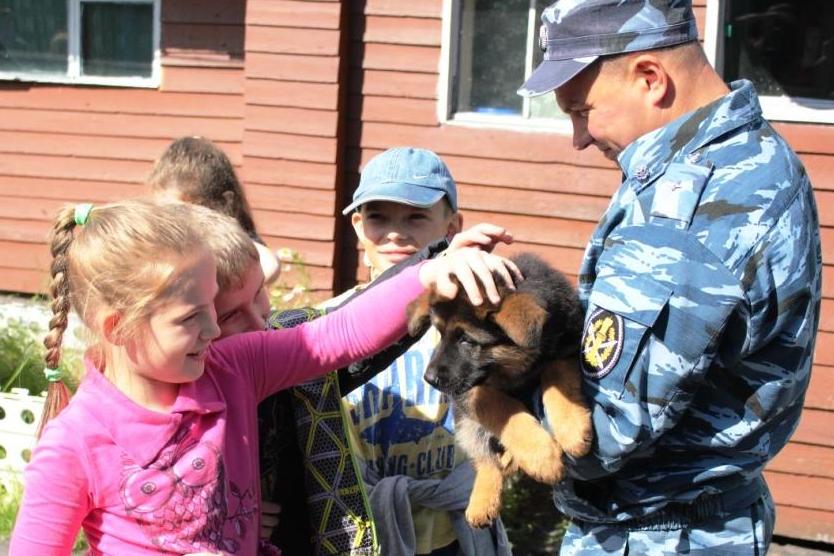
x=693 y=158
x=641 y=173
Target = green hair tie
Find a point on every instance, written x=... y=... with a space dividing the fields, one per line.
x=52 y=375
x=82 y=213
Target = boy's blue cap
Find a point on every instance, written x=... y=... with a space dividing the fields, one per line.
x=415 y=177
x=574 y=33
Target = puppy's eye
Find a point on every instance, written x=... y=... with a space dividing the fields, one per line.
x=465 y=340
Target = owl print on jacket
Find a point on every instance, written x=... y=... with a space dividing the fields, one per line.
x=181 y=499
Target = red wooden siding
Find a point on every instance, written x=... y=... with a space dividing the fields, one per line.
x=63 y=144
x=551 y=197
x=290 y=147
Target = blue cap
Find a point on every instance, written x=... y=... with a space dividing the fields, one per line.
x=574 y=33
x=415 y=177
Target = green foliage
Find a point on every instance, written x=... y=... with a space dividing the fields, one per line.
x=21 y=359
x=292 y=290
x=534 y=526
x=11 y=493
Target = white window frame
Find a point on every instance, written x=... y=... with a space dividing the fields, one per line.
x=73 y=75
x=448 y=69
x=779 y=109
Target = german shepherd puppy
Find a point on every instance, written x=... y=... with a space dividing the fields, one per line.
x=492 y=357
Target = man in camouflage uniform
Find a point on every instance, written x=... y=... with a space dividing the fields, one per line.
x=702 y=286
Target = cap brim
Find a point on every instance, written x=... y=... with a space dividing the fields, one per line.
x=418 y=196
x=552 y=74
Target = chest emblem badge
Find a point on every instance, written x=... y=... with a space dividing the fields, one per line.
x=602 y=343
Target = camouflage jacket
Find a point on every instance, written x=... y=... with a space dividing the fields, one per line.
x=702 y=286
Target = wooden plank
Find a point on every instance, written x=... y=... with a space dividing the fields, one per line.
x=802 y=492
x=24 y=255
x=292 y=67
x=828 y=281
x=276 y=223
x=280 y=13
x=267 y=92
x=827 y=315
x=406 y=8
x=483 y=143
x=534 y=203
x=217 y=38
x=825 y=204
x=398 y=30
x=815 y=428
x=399 y=84
x=425 y=59
x=199 y=11
x=274 y=171
x=293 y=147
x=28 y=231
x=68 y=190
x=821 y=390
x=301 y=121
x=394 y=110
x=23 y=280
x=227 y=81
x=820 y=170
x=122 y=148
x=119 y=125
x=807 y=138
x=22 y=208
x=802 y=459
x=287 y=40
x=801 y=523
x=824 y=349
x=317 y=253
x=67 y=168
x=536 y=176
x=535 y=229
x=122 y=101
x=294 y=200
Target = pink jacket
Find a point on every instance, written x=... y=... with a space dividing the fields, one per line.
x=141 y=482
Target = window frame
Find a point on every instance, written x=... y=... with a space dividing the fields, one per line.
x=783 y=108
x=449 y=51
x=73 y=74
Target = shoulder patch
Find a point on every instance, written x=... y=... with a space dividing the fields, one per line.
x=602 y=343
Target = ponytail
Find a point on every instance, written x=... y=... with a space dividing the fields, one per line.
x=57 y=394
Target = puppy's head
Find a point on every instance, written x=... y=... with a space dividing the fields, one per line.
x=488 y=344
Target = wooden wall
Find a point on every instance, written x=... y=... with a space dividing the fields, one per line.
x=291 y=132
x=551 y=197
x=62 y=144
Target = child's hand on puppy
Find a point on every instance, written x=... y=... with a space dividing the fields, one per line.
x=472 y=269
x=485 y=236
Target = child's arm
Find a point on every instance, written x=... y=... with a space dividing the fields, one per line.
x=280 y=359
x=55 y=499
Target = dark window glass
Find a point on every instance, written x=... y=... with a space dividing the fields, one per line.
x=784 y=47
x=33 y=36
x=116 y=39
x=491 y=56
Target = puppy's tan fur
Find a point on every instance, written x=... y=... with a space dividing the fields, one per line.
x=489 y=358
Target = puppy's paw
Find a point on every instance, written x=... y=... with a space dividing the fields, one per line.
x=574 y=432
x=540 y=457
x=482 y=510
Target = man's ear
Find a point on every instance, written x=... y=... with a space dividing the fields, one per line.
x=521 y=318
x=418 y=312
x=455 y=225
x=650 y=74
x=356 y=222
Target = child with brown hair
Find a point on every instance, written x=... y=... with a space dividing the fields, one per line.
x=195 y=170
x=157 y=451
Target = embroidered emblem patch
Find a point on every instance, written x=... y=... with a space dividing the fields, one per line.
x=602 y=343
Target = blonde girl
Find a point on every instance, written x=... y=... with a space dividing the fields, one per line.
x=157 y=451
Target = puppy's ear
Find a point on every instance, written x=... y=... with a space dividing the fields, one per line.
x=418 y=315
x=521 y=318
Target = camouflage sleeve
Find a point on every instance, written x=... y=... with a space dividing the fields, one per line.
x=658 y=303
x=664 y=310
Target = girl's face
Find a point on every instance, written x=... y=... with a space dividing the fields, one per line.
x=173 y=344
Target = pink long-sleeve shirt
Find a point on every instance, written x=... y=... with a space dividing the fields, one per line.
x=142 y=482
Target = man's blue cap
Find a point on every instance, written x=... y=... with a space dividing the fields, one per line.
x=574 y=33
x=414 y=177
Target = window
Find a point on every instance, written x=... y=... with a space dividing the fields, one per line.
x=103 y=42
x=786 y=48
x=492 y=47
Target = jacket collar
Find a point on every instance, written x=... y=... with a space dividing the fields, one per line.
x=648 y=156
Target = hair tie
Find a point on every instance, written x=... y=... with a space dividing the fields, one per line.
x=82 y=213
x=52 y=375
